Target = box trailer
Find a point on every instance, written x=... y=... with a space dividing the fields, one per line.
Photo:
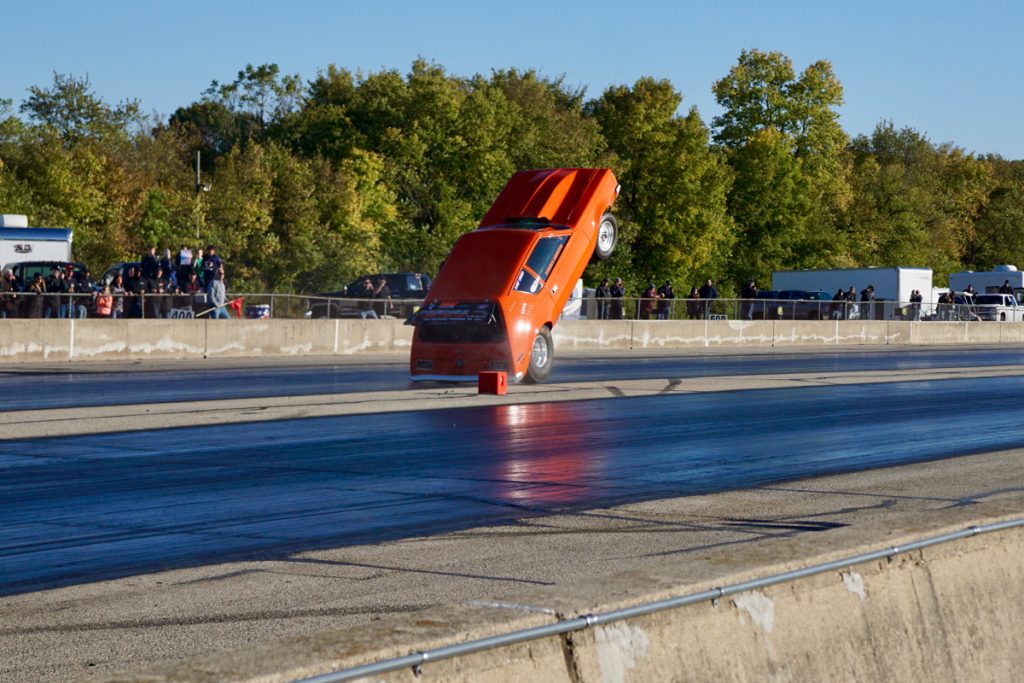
x=893 y=286
x=988 y=282
x=19 y=243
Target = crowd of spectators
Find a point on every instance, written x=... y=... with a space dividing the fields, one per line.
x=192 y=284
x=655 y=303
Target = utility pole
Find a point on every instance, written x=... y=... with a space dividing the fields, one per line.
x=199 y=186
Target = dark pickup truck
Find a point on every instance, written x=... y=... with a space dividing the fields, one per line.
x=407 y=293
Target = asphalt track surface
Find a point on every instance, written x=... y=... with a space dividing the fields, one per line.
x=80 y=509
x=64 y=388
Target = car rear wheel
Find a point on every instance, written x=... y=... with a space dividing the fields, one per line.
x=542 y=354
x=607 y=236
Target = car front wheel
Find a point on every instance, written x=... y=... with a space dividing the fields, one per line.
x=542 y=354
x=607 y=236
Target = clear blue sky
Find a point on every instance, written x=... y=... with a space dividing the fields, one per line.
x=952 y=70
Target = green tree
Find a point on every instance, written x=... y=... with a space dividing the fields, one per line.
x=673 y=186
x=762 y=94
x=915 y=204
x=71 y=108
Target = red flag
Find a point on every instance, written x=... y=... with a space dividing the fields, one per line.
x=236 y=306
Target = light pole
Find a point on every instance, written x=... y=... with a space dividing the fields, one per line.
x=200 y=188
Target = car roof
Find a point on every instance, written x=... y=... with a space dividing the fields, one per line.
x=550 y=196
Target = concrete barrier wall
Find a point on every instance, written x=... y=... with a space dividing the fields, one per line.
x=63 y=340
x=950 y=612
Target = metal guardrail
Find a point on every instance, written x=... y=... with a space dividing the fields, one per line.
x=417 y=659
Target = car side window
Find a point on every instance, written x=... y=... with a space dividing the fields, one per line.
x=527 y=282
x=539 y=264
x=544 y=255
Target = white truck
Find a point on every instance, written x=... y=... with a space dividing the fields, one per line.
x=1001 y=307
x=892 y=286
x=20 y=243
x=989 y=281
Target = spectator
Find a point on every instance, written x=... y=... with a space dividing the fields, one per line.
x=382 y=293
x=648 y=302
x=84 y=284
x=184 y=264
x=156 y=288
x=867 y=298
x=1005 y=288
x=194 y=289
x=693 y=307
x=8 y=295
x=211 y=264
x=601 y=294
x=150 y=263
x=117 y=292
x=37 y=292
x=365 y=304
x=915 y=304
x=54 y=285
x=218 y=295
x=167 y=264
x=666 y=297
x=851 y=294
x=749 y=294
x=708 y=293
x=835 y=309
x=616 y=293
x=969 y=290
x=135 y=288
x=104 y=303
x=197 y=265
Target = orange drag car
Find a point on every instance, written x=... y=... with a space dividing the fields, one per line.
x=503 y=286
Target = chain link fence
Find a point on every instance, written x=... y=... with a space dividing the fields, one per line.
x=296 y=306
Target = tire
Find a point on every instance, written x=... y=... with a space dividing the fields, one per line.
x=542 y=355
x=607 y=236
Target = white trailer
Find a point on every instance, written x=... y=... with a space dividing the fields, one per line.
x=988 y=282
x=892 y=285
x=19 y=243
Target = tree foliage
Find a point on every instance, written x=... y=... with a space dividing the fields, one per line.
x=315 y=182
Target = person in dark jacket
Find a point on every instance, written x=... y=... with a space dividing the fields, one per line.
x=8 y=295
x=382 y=297
x=748 y=295
x=54 y=285
x=211 y=264
x=693 y=307
x=616 y=293
x=149 y=263
x=708 y=293
x=156 y=289
x=648 y=302
x=135 y=289
x=836 y=309
x=365 y=305
x=37 y=294
x=602 y=293
x=666 y=296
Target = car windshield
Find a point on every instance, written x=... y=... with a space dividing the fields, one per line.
x=989 y=299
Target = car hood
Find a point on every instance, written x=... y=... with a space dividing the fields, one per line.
x=482 y=265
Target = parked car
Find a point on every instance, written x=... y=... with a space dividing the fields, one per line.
x=1004 y=307
x=26 y=271
x=407 y=293
x=502 y=287
x=117 y=269
x=792 y=304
